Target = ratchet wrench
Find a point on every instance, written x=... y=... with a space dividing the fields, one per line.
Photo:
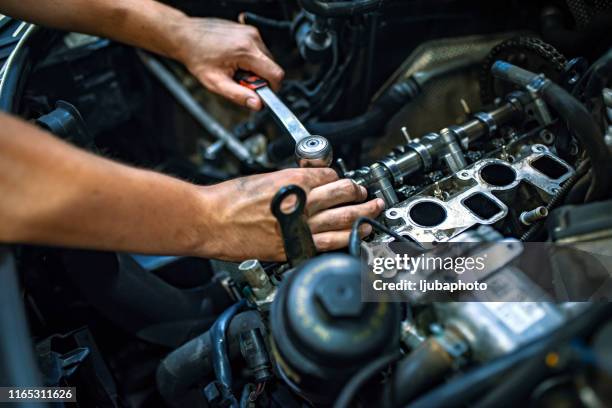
x=310 y=150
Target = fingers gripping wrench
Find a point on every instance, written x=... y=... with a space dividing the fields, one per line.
x=310 y=150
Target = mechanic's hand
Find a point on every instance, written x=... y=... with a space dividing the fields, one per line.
x=244 y=227
x=213 y=49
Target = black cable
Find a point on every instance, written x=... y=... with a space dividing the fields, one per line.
x=264 y=22
x=219 y=354
x=340 y=8
x=362 y=376
x=517 y=385
x=354 y=239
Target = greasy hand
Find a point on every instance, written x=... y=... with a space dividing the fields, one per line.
x=244 y=227
x=213 y=49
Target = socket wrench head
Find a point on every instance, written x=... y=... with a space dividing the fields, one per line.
x=313 y=151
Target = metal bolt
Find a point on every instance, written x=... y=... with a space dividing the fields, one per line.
x=341 y=166
x=406 y=134
x=437 y=190
x=504 y=153
x=529 y=217
x=465 y=106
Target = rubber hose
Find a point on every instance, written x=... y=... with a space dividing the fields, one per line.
x=184 y=368
x=264 y=22
x=341 y=8
x=587 y=132
x=516 y=386
x=578 y=192
x=598 y=76
x=352 y=387
x=218 y=338
x=354 y=242
x=420 y=370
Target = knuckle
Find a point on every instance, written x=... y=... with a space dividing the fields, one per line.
x=347 y=218
x=372 y=207
x=252 y=31
x=300 y=178
x=243 y=46
x=348 y=187
x=331 y=173
x=290 y=174
x=279 y=74
x=324 y=242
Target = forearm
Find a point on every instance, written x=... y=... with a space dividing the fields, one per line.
x=53 y=193
x=143 y=23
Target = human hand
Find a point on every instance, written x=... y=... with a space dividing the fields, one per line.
x=242 y=225
x=214 y=49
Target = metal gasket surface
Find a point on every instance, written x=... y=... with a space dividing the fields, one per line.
x=488 y=183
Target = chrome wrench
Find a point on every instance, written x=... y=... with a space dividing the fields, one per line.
x=310 y=150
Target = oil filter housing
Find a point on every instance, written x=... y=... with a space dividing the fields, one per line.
x=322 y=332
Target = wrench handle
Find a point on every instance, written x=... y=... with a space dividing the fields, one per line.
x=250 y=80
x=297 y=238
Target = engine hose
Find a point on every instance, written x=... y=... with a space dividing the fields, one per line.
x=420 y=370
x=578 y=120
x=578 y=192
x=355 y=129
x=265 y=23
x=345 y=398
x=218 y=339
x=472 y=384
x=340 y=8
x=598 y=76
x=191 y=364
x=557 y=199
x=517 y=385
x=588 y=133
x=355 y=241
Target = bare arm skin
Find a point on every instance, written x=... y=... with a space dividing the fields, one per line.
x=56 y=194
x=53 y=193
x=211 y=49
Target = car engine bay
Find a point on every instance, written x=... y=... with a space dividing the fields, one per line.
x=476 y=122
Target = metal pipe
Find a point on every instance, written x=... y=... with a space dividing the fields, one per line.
x=529 y=217
x=193 y=107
